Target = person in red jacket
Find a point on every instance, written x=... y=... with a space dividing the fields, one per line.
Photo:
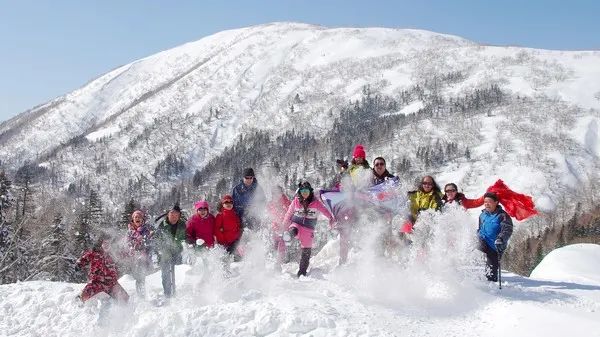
x=103 y=275
x=201 y=225
x=452 y=196
x=277 y=208
x=227 y=226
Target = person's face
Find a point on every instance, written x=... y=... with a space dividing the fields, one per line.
x=427 y=184
x=137 y=220
x=202 y=211
x=450 y=192
x=304 y=192
x=228 y=204
x=248 y=180
x=359 y=160
x=105 y=245
x=379 y=166
x=173 y=217
x=490 y=204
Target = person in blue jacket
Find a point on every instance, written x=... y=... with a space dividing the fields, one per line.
x=249 y=200
x=495 y=229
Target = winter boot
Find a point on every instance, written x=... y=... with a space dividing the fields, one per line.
x=304 y=261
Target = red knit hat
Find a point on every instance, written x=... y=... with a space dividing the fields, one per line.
x=359 y=152
x=227 y=197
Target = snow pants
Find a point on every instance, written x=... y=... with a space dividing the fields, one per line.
x=491 y=265
x=113 y=289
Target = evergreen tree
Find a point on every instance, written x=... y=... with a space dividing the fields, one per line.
x=5 y=195
x=93 y=208
x=130 y=207
x=57 y=262
x=83 y=233
x=15 y=252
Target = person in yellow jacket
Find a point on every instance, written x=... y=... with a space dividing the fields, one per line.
x=427 y=196
x=359 y=169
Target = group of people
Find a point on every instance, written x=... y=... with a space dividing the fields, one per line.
x=246 y=207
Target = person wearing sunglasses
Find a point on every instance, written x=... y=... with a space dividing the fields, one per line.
x=301 y=217
x=249 y=200
x=452 y=197
x=228 y=226
x=427 y=196
x=380 y=172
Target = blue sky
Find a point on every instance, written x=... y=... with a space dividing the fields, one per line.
x=49 y=48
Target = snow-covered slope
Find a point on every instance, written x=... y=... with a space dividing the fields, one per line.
x=574 y=263
x=366 y=298
x=134 y=116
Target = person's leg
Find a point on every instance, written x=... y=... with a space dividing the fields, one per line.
x=491 y=268
x=344 y=243
x=304 y=261
x=119 y=294
x=306 y=236
x=90 y=290
x=165 y=273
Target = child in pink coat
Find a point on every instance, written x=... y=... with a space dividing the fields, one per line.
x=301 y=217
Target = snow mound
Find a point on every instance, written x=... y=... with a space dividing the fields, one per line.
x=574 y=263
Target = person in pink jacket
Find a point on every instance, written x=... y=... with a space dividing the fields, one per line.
x=301 y=217
x=201 y=225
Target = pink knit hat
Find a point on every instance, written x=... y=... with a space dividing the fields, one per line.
x=140 y=213
x=200 y=204
x=359 y=152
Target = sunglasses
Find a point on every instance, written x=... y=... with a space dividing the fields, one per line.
x=249 y=178
x=425 y=183
x=302 y=190
x=379 y=164
x=227 y=202
x=448 y=191
x=202 y=209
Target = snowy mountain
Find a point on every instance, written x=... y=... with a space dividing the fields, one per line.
x=200 y=99
x=349 y=301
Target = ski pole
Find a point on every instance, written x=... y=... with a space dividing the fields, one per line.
x=499 y=271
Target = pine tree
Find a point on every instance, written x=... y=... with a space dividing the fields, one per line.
x=57 y=262
x=5 y=195
x=94 y=210
x=83 y=233
x=130 y=207
x=539 y=255
x=15 y=252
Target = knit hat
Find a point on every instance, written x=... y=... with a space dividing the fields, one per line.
x=200 y=204
x=359 y=152
x=226 y=197
x=249 y=172
x=137 y=212
x=342 y=163
x=176 y=208
x=491 y=195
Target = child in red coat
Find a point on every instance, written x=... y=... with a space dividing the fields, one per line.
x=227 y=225
x=103 y=274
x=201 y=225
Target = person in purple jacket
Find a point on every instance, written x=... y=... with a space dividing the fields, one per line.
x=301 y=217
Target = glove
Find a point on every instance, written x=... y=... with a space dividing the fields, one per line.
x=286 y=237
x=500 y=245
